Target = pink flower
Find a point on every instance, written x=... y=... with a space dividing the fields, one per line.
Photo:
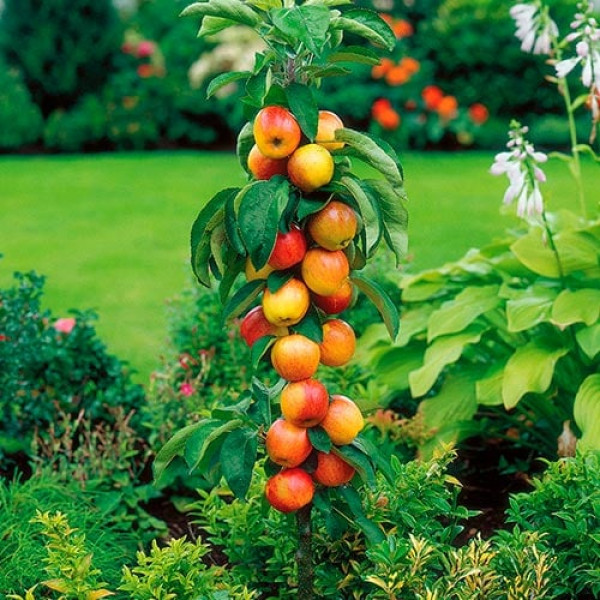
x=145 y=48
x=64 y=325
x=187 y=389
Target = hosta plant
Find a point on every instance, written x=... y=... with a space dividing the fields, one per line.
x=297 y=235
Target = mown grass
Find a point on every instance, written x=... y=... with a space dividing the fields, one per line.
x=110 y=232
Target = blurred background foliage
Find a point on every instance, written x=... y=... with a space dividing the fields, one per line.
x=89 y=75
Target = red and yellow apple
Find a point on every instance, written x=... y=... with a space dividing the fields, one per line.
x=255 y=325
x=304 y=403
x=289 y=249
x=328 y=124
x=324 y=271
x=332 y=470
x=263 y=167
x=333 y=227
x=310 y=167
x=295 y=357
x=337 y=302
x=343 y=420
x=290 y=490
x=288 y=305
x=287 y=444
x=276 y=132
x=339 y=343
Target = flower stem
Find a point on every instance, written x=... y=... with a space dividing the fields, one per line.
x=304 y=554
x=575 y=164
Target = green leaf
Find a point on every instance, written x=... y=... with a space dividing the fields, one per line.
x=257 y=87
x=231 y=226
x=209 y=218
x=235 y=265
x=259 y=214
x=265 y=5
x=576 y=306
x=234 y=10
x=394 y=366
x=394 y=215
x=219 y=248
x=530 y=369
x=367 y=149
x=306 y=24
x=174 y=447
x=488 y=389
x=277 y=279
x=224 y=79
x=243 y=299
x=588 y=339
x=238 y=456
x=309 y=206
x=213 y=25
x=264 y=396
x=372 y=532
x=355 y=54
x=414 y=322
x=310 y=326
x=245 y=141
x=367 y=24
x=377 y=295
x=319 y=439
x=359 y=460
x=443 y=351
x=457 y=314
x=260 y=348
x=586 y=411
x=209 y=431
x=304 y=107
x=532 y=307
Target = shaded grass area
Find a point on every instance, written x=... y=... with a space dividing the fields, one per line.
x=111 y=232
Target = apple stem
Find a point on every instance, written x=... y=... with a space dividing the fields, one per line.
x=304 y=554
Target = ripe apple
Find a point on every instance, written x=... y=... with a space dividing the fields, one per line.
x=263 y=167
x=343 y=420
x=329 y=122
x=290 y=490
x=324 y=271
x=289 y=249
x=288 y=305
x=287 y=444
x=310 y=167
x=276 y=132
x=332 y=470
x=304 y=403
x=252 y=274
x=295 y=357
x=255 y=325
x=333 y=227
x=339 y=343
x=337 y=302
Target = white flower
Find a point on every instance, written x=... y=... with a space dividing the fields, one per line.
x=535 y=28
x=521 y=167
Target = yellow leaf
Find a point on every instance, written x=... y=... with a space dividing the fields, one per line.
x=99 y=594
x=58 y=585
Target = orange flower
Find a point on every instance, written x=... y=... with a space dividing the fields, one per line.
x=380 y=70
x=410 y=65
x=380 y=106
x=397 y=75
x=432 y=96
x=145 y=71
x=402 y=28
x=478 y=113
x=389 y=119
x=447 y=108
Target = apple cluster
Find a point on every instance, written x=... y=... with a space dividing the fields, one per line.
x=313 y=252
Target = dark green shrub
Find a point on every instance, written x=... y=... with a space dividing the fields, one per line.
x=64 y=48
x=49 y=366
x=20 y=118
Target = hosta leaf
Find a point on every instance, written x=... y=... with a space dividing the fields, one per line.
x=458 y=313
x=443 y=351
x=530 y=369
x=224 y=79
x=586 y=411
x=414 y=321
x=576 y=306
x=533 y=306
x=259 y=214
x=304 y=107
x=489 y=388
x=394 y=366
x=238 y=455
x=377 y=295
x=234 y=10
x=367 y=24
x=371 y=152
x=588 y=339
x=307 y=24
x=243 y=299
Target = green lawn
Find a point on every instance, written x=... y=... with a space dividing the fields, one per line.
x=110 y=232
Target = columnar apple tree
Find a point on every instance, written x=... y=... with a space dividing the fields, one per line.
x=287 y=250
